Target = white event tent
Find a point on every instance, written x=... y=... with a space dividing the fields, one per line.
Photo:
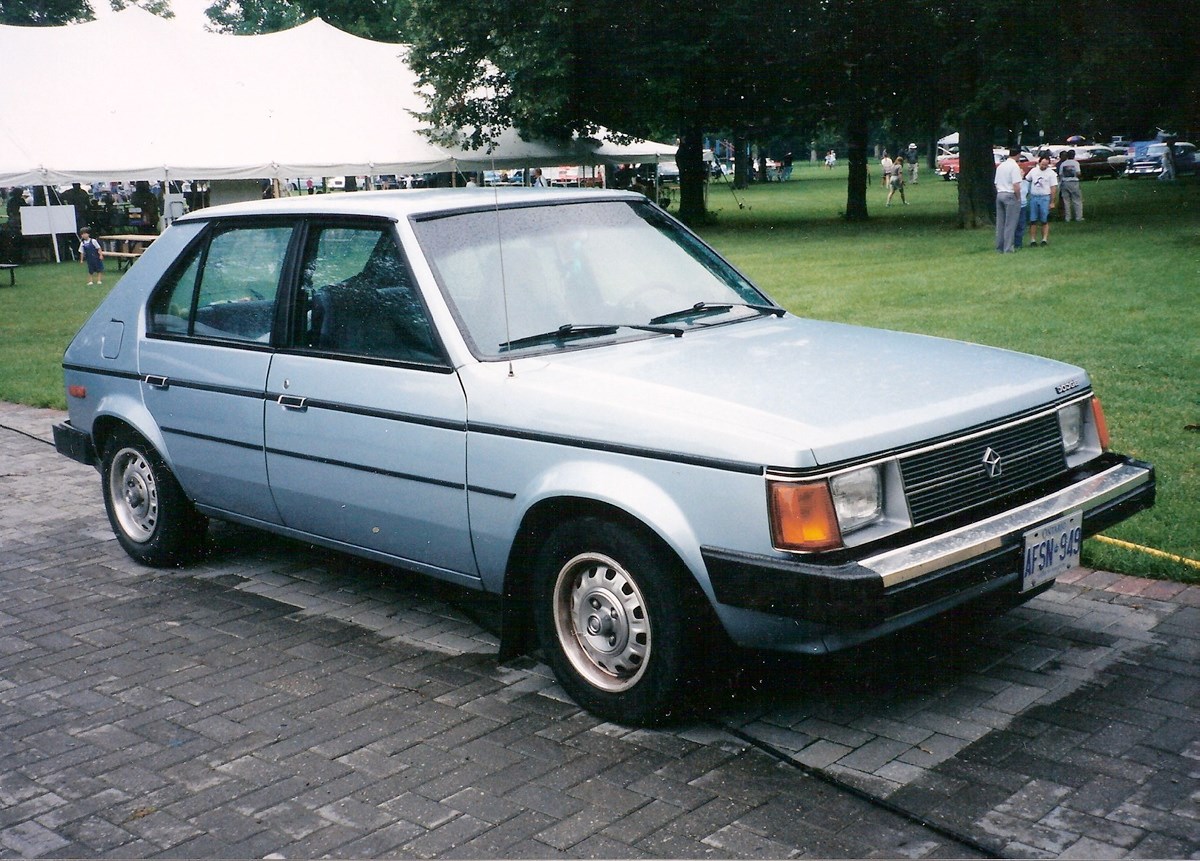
x=134 y=96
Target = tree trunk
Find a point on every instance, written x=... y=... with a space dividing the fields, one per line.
x=692 y=175
x=856 y=186
x=977 y=174
x=741 y=162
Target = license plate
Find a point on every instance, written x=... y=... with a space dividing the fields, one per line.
x=1052 y=549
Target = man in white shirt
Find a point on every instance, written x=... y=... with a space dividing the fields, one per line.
x=1043 y=192
x=1008 y=200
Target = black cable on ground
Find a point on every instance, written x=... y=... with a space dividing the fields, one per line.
x=25 y=434
x=883 y=803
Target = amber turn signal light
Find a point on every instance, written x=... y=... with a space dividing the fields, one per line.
x=1101 y=424
x=77 y=391
x=802 y=516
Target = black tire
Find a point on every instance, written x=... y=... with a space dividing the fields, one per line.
x=615 y=615
x=153 y=520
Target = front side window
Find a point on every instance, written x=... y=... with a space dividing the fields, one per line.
x=225 y=289
x=359 y=298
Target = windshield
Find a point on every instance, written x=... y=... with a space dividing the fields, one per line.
x=516 y=276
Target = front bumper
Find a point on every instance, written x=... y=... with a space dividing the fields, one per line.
x=893 y=587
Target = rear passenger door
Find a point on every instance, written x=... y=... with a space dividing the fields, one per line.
x=365 y=419
x=204 y=363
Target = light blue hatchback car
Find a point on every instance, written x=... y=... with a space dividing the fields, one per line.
x=565 y=398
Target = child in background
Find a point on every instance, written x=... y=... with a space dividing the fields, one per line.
x=92 y=255
x=1023 y=218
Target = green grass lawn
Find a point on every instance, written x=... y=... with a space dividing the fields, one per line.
x=1116 y=294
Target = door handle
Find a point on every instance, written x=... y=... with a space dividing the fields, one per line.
x=155 y=381
x=292 y=402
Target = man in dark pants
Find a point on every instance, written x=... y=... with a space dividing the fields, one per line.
x=1008 y=200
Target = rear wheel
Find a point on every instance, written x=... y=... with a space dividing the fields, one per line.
x=153 y=520
x=613 y=621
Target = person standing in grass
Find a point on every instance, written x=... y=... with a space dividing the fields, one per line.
x=1168 y=161
x=92 y=256
x=1008 y=200
x=895 y=182
x=1023 y=218
x=1043 y=193
x=1069 y=187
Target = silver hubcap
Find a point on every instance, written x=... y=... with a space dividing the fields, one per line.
x=134 y=495
x=602 y=622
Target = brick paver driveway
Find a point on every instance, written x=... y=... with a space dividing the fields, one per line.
x=282 y=701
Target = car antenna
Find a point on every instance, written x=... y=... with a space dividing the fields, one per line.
x=503 y=279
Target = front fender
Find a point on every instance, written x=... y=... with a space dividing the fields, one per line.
x=635 y=494
x=500 y=522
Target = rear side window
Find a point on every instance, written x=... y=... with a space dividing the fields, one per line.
x=359 y=297
x=226 y=287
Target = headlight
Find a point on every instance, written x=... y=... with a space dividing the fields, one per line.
x=857 y=497
x=813 y=515
x=1070 y=425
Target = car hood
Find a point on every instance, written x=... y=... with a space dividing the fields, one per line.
x=783 y=392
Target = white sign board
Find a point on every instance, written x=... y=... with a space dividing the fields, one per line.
x=44 y=220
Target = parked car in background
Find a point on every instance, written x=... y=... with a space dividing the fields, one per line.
x=948 y=166
x=1145 y=158
x=1097 y=161
x=565 y=398
x=667 y=171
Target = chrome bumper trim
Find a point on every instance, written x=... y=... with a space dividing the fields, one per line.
x=933 y=554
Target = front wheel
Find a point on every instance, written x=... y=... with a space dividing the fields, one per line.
x=613 y=619
x=153 y=520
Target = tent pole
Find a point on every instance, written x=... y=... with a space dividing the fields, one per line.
x=53 y=235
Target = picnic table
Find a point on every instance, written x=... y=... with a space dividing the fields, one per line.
x=125 y=248
x=12 y=273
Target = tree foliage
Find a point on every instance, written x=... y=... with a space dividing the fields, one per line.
x=381 y=20
x=757 y=71
x=44 y=13
x=644 y=68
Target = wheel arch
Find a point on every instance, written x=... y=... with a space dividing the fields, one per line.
x=115 y=416
x=518 y=636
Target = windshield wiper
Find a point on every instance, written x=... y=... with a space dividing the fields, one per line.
x=572 y=331
x=703 y=309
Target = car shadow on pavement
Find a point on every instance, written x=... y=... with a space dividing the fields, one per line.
x=933 y=658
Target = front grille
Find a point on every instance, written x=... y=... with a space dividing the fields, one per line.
x=954 y=477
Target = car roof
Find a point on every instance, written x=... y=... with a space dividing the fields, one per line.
x=404 y=203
